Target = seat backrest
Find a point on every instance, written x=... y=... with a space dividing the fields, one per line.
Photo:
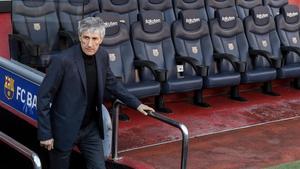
x=261 y=32
x=151 y=38
x=191 y=38
x=228 y=36
x=118 y=46
x=37 y=20
x=165 y=6
x=181 y=5
x=275 y=5
x=243 y=7
x=127 y=9
x=213 y=5
x=288 y=28
x=71 y=11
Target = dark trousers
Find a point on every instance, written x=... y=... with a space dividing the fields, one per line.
x=89 y=144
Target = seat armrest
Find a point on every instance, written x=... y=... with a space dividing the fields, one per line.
x=236 y=63
x=70 y=37
x=270 y=58
x=199 y=69
x=288 y=49
x=33 y=48
x=159 y=74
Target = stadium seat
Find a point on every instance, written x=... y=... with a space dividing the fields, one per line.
x=35 y=32
x=70 y=12
x=213 y=5
x=230 y=52
x=128 y=9
x=165 y=6
x=121 y=58
x=192 y=40
x=275 y=5
x=264 y=46
x=199 y=5
x=152 y=42
x=244 y=6
x=288 y=28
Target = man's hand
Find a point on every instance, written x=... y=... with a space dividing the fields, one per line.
x=144 y=108
x=47 y=144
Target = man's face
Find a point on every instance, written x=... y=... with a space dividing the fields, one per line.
x=90 y=42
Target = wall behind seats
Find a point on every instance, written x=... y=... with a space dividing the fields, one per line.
x=297 y=2
x=5 y=29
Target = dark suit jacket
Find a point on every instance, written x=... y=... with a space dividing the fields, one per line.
x=62 y=98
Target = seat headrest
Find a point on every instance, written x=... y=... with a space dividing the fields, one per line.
x=226 y=17
x=151 y=21
x=190 y=19
x=290 y=13
x=111 y=21
x=78 y=2
x=189 y=1
x=261 y=15
x=275 y=3
x=155 y=1
x=33 y=3
x=119 y=2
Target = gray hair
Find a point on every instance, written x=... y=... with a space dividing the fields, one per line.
x=91 y=24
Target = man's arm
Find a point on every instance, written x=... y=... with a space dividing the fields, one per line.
x=46 y=93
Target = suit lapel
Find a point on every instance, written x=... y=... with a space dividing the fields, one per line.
x=80 y=65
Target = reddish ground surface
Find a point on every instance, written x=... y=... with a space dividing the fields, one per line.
x=251 y=148
x=225 y=114
x=216 y=141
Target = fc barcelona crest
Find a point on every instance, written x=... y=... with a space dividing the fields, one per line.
x=195 y=49
x=230 y=46
x=9 y=87
x=37 y=26
x=112 y=57
x=264 y=43
x=294 y=39
x=155 y=52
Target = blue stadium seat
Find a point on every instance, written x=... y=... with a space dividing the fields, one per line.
x=275 y=5
x=165 y=6
x=127 y=9
x=71 y=11
x=35 y=32
x=121 y=58
x=152 y=42
x=264 y=46
x=213 y=5
x=181 y=5
x=230 y=52
x=244 y=6
x=192 y=40
x=288 y=28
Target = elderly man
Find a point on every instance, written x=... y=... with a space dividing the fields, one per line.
x=71 y=95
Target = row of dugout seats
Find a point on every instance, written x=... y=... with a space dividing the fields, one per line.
x=154 y=59
x=49 y=21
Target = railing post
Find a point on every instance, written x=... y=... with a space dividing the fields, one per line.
x=115 y=123
x=185 y=146
x=180 y=126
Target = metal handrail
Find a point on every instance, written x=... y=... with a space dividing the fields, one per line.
x=22 y=149
x=180 y=126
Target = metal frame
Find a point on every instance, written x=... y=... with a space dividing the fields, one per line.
x=36 y=162
x=164 y=119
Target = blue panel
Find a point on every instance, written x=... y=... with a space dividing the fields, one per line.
x=18 y=93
